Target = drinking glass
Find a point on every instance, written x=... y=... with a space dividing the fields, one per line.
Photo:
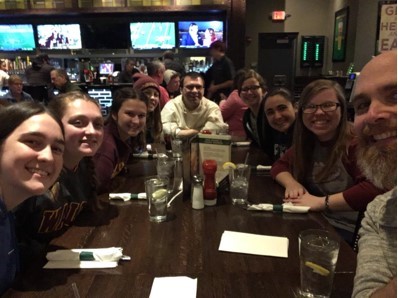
x=176 y=147
x=239 y=183
x=157 y=194
x=318 y=251
x=165 y=169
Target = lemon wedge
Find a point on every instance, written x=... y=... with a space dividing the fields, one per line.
x=229 y=165
x=159 y=194
x=317 y=268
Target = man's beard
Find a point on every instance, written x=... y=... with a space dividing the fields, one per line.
x=379 y=165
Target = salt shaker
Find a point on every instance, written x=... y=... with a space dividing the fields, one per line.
x=197 y=192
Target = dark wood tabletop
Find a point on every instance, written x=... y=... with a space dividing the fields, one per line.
x=185 y=245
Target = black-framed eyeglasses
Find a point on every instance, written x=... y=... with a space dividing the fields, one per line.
x=250 y=88
x=192 y=87
x=325 y=107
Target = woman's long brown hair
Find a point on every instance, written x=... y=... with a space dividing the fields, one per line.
x=304 y=140
x=59 y=106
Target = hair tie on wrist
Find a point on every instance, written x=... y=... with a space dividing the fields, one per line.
x=327 y=204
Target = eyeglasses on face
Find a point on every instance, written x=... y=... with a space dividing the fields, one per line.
x=192 y=87
x=250 y=88
x=325 y=107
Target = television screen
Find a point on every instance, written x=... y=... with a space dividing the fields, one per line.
x=106 y=68
x=59 y=37
x=16 y=38
x=106 y=35
x=145 y=36
x=200 y=34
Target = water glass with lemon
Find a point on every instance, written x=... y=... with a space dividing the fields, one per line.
x=157 y=194
x=318 y=250
x=239 y=176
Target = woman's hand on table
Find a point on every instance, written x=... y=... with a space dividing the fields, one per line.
x=294 y=190
x=315 y=203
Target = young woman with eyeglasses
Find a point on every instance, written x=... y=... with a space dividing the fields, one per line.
x=320 y=169
x=252 y=90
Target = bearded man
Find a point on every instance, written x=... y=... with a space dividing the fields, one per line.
x=375 y=104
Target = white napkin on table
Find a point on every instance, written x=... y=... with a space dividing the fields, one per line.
x=174 y=286
x=254 y=244
x=286 y=207
x=73 y=258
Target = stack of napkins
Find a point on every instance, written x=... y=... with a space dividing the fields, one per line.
x=254 y=244
x=84 y=258
x=286 y=207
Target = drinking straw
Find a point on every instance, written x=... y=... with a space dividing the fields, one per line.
x=173 y=198
x=247 y=158
x=75 y=290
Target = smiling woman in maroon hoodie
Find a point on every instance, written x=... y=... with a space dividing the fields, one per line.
x=124 y=134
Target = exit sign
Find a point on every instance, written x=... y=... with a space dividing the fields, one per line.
x=278 y=15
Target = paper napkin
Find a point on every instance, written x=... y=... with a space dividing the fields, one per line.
x=84 y=258
x=174 y=286
x=286 y=207
x=254 y=244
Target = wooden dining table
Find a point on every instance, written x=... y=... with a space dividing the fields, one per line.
x=184 y=245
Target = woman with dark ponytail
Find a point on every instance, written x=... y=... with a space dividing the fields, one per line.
x=44 y=217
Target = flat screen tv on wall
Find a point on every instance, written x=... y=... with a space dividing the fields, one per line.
x=17 y=38
x=154 y=35
x=106 y=68
x=105 y=35
x=199 y=34
x=59 y=37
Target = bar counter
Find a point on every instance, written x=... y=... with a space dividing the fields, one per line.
x=185 y=245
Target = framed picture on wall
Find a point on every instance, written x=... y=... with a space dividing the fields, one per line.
x=386 y=27
x=340 y=34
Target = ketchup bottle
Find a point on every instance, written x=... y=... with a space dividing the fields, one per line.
x=209 y=189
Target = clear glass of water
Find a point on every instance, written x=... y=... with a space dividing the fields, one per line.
x=165 y=169
x=318 y=251
x=157 y=195
x=176 y=147
x=239 y=183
